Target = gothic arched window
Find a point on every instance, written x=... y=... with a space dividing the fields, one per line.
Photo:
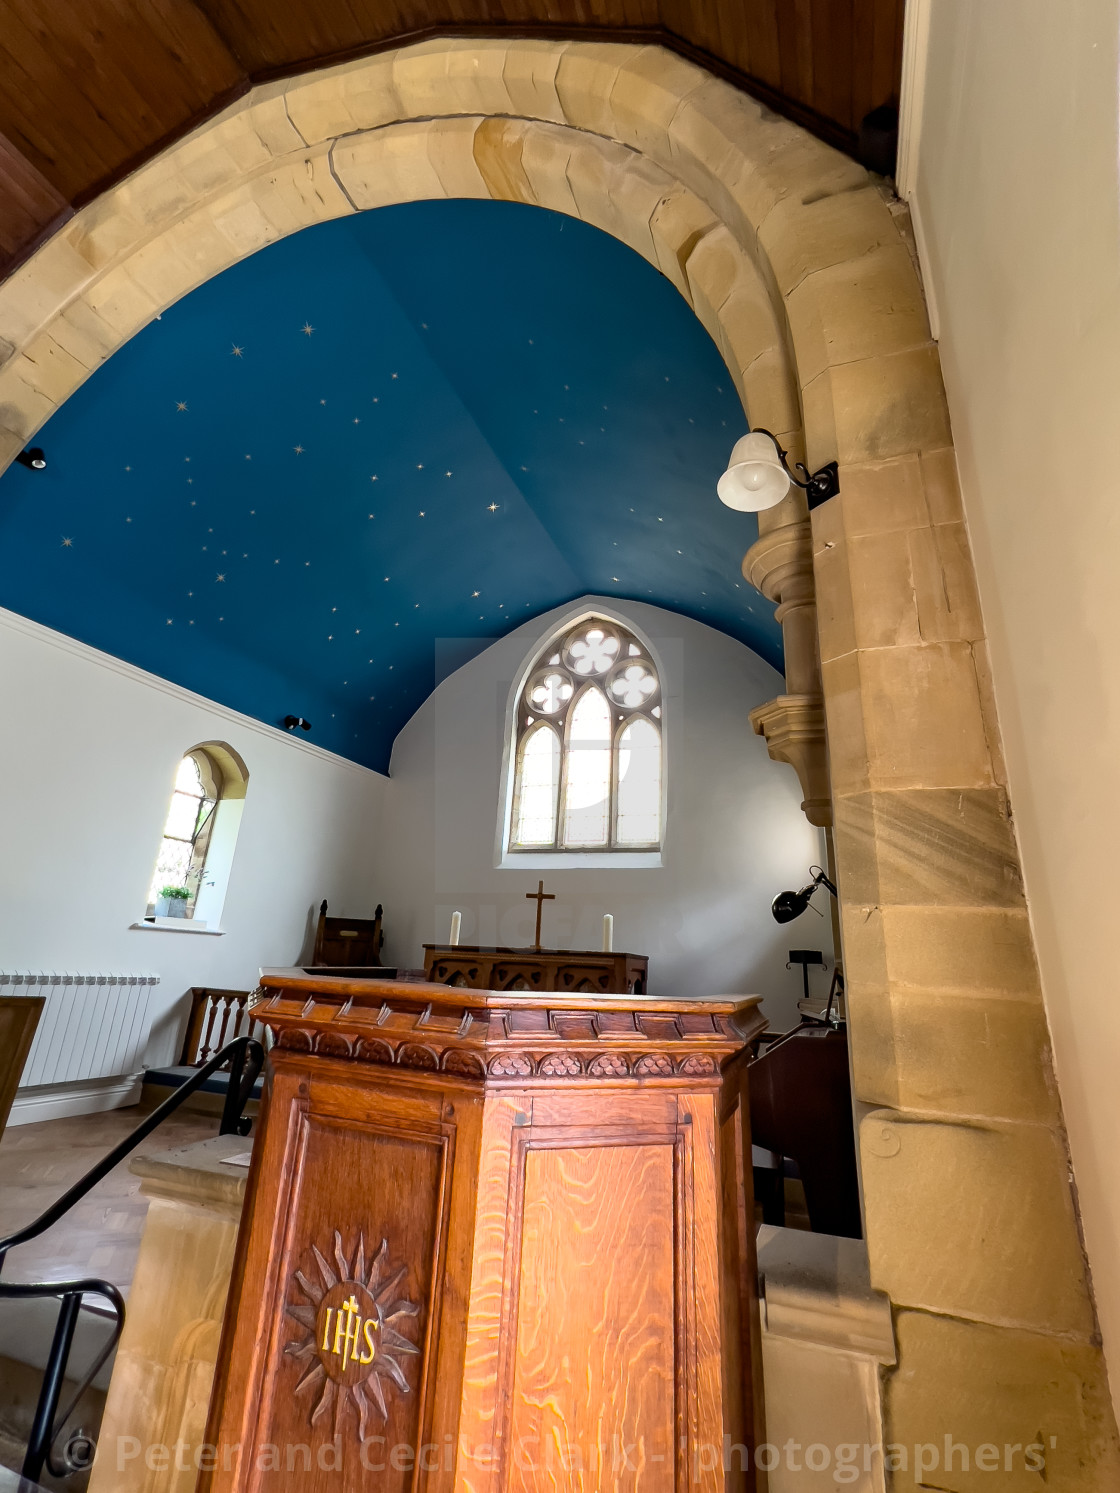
x=587 y=745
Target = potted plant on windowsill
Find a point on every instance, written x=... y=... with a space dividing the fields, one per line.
x=172 y=902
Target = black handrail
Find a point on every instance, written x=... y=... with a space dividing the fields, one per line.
x=237 y=1096
x=245 y=1057
x=46 y=1425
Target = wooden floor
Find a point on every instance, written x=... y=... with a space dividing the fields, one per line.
x=101 y=1234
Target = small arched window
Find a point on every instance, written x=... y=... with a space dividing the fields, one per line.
x=588 y=746
x=199 y=834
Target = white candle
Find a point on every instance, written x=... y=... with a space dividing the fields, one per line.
x=456 y=924
x=608 y=933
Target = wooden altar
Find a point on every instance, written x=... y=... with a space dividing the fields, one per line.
x=492 y=1243
x=571 y=971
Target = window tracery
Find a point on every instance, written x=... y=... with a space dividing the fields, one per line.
x=588 y=745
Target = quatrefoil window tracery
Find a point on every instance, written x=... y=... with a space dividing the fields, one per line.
x=588 y=746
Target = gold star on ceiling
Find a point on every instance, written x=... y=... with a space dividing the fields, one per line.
x=219 y=577
x=493 y=507
x=298 y=450
x=236 y=351
x=180 y=405
x=307 y=329
x=67 y=544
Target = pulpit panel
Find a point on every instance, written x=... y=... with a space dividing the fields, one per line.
x=594 y=1344
x=597 y=1295
x=350 y=1344
x=337 y=1335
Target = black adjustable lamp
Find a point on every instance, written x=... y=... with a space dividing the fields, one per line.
x=789 y=905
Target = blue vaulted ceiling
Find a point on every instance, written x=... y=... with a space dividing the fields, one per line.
x=381 y=442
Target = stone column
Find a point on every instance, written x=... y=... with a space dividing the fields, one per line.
x=160 y=1390
x=780 y=565
x=970 y=1218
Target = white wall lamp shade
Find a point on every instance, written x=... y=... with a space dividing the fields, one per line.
x=755 y=478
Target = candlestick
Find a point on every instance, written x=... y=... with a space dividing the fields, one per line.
x=608 y=933
x=456 y=924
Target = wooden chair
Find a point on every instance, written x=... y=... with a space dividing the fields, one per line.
x=801 y=1107
x=19 y=1017
x=348 y=942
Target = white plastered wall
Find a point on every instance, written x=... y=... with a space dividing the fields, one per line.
x=88 y=757
x=735 y=832
x=1010 y=162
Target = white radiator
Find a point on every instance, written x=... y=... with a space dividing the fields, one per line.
x=92 y=1026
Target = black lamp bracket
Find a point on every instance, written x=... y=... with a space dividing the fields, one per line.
x=817 y=486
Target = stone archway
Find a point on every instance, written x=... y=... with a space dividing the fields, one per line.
x=801 y=269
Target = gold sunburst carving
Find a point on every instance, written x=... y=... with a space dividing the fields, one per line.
x=350 y=1332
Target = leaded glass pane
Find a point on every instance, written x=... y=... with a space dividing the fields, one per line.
x=593 y=650
x=182 y=816
x=538 y=787
x=187 y=779
x=633 y=684
x=639 y=785
x=588 y=792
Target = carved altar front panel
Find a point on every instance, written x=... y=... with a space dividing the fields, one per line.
x=568 y=971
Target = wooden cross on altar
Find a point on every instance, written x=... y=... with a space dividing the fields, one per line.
x=540 y=897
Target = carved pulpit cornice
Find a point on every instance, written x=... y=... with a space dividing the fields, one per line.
x=504 y=1036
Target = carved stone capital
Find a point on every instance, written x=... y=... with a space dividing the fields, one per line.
x=780 y=564
x=793 y=728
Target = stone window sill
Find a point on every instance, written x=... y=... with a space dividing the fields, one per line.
x=579 y=860
x=177 y=925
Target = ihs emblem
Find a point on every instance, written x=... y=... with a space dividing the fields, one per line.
x=350 y=1332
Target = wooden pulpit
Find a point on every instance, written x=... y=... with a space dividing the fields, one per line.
x=491 y=1242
